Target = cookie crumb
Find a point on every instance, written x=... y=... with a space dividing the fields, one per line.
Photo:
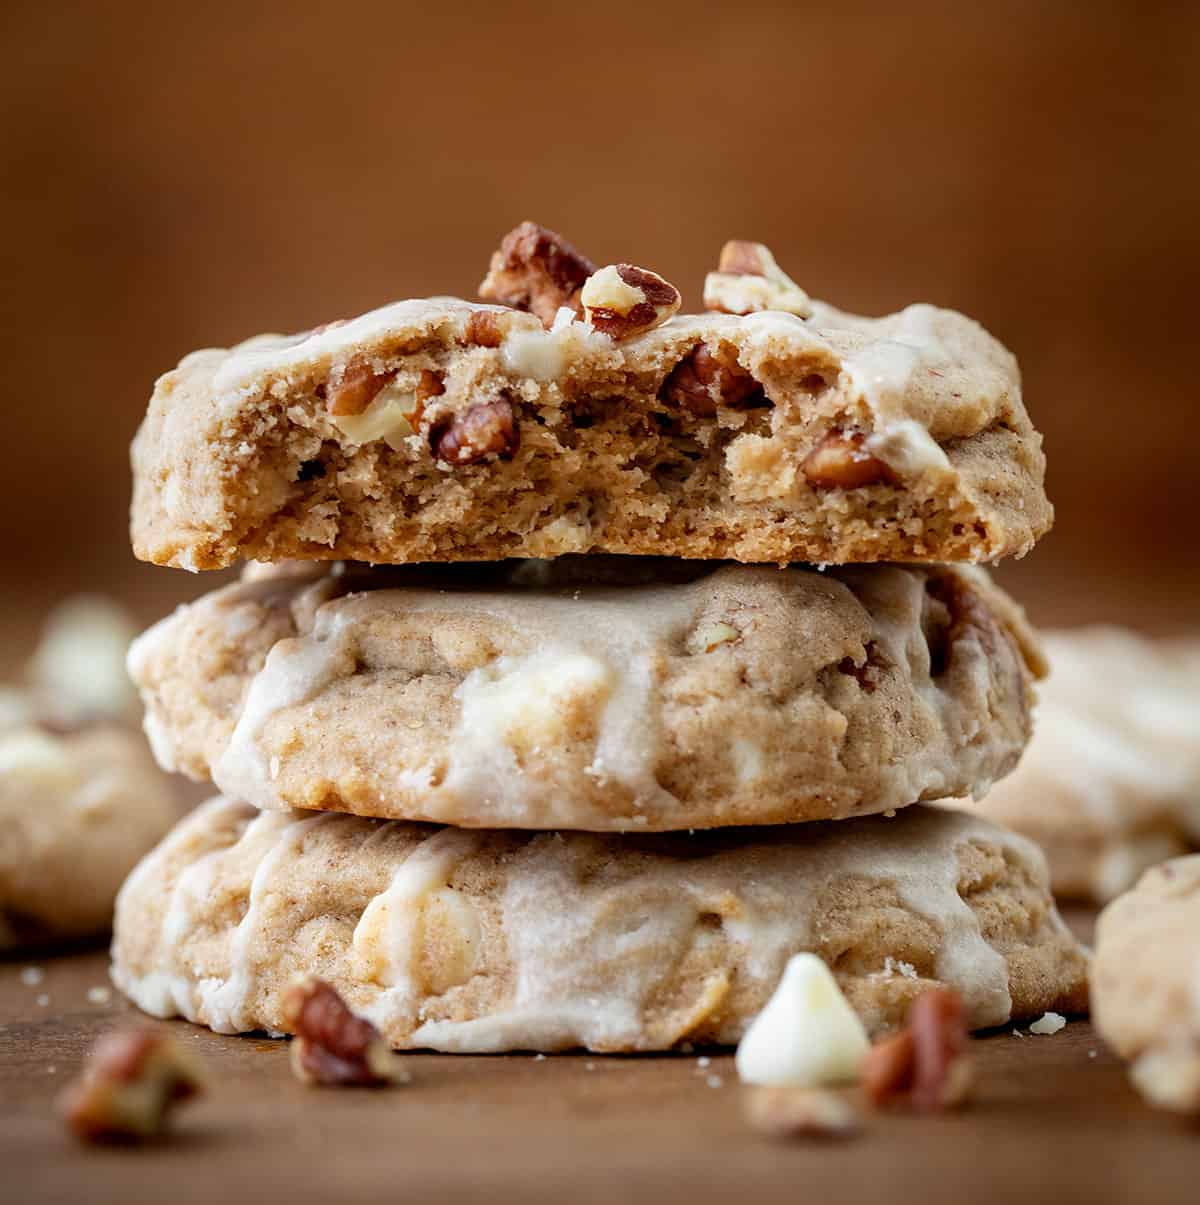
x=539 y=1058
x=703 y=1061
x=1048 y=1023
x=714 y=1081
x=43 y=1001
x=99 y=994
x=895 y=966
x=32 y=976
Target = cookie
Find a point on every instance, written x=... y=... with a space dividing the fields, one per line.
x=1146 y=982
x=77 y=811
x=487 y=940
x=440 y=430
x=594 y=693
x=1110 y=783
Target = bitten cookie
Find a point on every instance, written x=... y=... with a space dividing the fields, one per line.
x=472 y=940
x=1146 y=982
x=605 y=694
x=1110 y=783
x=769 y=429
x=77 y=811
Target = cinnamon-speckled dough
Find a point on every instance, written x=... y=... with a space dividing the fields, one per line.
x=239 y=456
x=593 y=693
x=485 y=940
x=1146 y=982
x=76 y=813
x=1110 y=783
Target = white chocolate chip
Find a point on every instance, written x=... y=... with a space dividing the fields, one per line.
x=605 y=289
x=386 y=418
x=807 y=1035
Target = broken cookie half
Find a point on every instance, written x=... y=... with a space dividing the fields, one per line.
x=576 y=409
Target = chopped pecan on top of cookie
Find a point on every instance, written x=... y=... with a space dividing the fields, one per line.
x=748 y=280
x=537 y=270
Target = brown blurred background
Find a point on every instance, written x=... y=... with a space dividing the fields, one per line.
x=182 y=175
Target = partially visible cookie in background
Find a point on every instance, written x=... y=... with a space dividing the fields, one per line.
x=1146 y=983
x=80 y=797
x=1110 y=783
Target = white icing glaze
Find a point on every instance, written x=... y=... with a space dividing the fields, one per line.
x=582 y=669
x=558 y=949
x=388 y=934
x=909 y=449
x=603 y=671
x=587 y=951
x=248 y=361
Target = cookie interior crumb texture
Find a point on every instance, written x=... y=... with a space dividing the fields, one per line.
x=474 y=940
x=628 y=694
x=445 y=430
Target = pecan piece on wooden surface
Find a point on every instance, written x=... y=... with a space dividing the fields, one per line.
x=331 y=1044
x=926 y=1064
x=130 y=1082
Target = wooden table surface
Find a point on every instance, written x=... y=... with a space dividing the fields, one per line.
x=1054 y=1120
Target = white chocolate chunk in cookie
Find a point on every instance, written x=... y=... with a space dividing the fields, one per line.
x=523 y=703
x=387 y=418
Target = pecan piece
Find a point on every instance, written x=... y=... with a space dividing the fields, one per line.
x=129 y=1084
x=481 y=430
x=356 y=388
x=926 y=1064
x=748 y=280
x=483 y=329
x=430 y=384
x=706 y=379
x=333 y=1046
x=951 y=610
x=622 y=300
x=783 y=1111
x=536 y=270
x=841 y=461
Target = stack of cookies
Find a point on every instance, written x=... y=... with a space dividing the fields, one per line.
x=571 y=693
